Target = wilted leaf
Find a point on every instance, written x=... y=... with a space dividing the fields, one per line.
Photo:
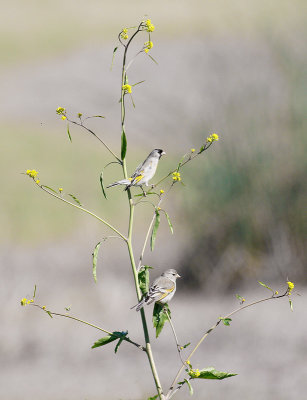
x=95 y=257
x=109 y=338
x=102 y=185
x=212 y=373
x=154 y=230
x=68 y=133
x=264 y=285
x=123 y=145
x=143 y=277
x=75 y=198
x=159 y=317
x=190 y=386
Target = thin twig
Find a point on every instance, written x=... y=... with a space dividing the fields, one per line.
x=92 y=325
x=175 y=336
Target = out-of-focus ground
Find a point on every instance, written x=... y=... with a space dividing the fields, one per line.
x=236 y=69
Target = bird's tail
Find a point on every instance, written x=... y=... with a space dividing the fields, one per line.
x=122 y=182
x=139 y=305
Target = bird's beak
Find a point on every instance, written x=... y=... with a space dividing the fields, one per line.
x=163 y=152
x=178 y=276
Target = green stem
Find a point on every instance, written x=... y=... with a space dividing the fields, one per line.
x=83 y=209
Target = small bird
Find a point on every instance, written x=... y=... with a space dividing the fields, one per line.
x=144 y=171
x=162 y=290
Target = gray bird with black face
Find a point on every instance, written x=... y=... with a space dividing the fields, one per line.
x=144 y=172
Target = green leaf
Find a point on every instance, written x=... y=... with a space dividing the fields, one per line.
x=68 y=133
x=75 y=198
x=138 y=83
x=123 y=146
x=159 y=317
x=109 y=338
x=190 y=387
x=152 y=58
x=49 y=313
x=143 y=277
x=49 y=188
x=264 y=285
x=201 y=149
x=68 y=308
x=169 y=222
x=34 y=293
x=95 y=257
x=153 y=398
x=154 y=230
x=212 y=373
x=120 y=341
x=291 y=304
x=114 y=51
x=226 y=321
x=186 y=345
x=102 y=185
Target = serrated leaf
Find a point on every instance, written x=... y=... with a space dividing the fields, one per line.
x=123 y=145
x=49 y=188
x=109 y=338
x=34 y=293
x=120 y=341
x=75 y=198
x=169 y=222
x=95 y=257
x=114 y=51
x=264 y=285
x=143 y=277
x=68 y=132
x=154 y=231
x=159 y=317
x=212 y=373
x=190 y=386
x=102 y=185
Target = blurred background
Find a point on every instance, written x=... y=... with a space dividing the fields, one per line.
x=235 y=68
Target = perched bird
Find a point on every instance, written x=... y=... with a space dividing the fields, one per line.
x=162 y=290
x=144 y=171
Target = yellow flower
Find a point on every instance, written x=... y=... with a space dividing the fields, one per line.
x=127 y=88
x=158 y=208
x=80 y=115
x=209 y=139
x=243 y=300
x=60 y=110
x=290 y=287
x=212 y=138
x=146 y=50
x=60 y=190
x=63 y=117
x=23 y=301
x=124 y=35
x=149 y=26
x=188 y=362
x=176 y=176
x=30 y=301
x=276 y=292
x=194 y=373
x=192 y=150
x=37 y=181
x=125 y=30
x=161 y=191
x=44 y=307
x=32 y=173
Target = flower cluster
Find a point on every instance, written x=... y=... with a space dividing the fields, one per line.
x=127 y=88
x=61 y=111
x=147 y=46
x=290 y=287
x=176 y=176
x=149 y=26
x=194 y=373
x=212 y=138
x=25 y=301
x=32 y=173
x=124 y=34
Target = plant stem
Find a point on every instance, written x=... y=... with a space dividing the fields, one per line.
x=171 y=391
x=83 y=209
x=92 y=325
